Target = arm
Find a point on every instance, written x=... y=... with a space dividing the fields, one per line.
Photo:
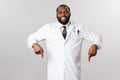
x=96 y=41
x=34 y=38
x=33 y=44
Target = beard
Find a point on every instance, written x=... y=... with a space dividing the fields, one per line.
x=63 y=22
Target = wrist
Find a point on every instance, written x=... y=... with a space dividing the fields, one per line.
x=35 y=44
x=95 y=46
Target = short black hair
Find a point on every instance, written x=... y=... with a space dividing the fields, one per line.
x=63 y=5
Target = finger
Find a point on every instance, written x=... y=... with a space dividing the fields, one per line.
x=89 y=58
x=42 y=54
x=37 y=52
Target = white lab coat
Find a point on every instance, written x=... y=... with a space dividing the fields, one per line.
x=63 y=55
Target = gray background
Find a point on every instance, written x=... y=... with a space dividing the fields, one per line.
x=18 y=18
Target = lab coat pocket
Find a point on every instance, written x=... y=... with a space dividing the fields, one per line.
x=75 y=35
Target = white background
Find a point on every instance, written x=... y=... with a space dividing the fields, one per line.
x=18 y=18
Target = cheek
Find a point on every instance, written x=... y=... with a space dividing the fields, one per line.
x=68 y=15
x=58 y=16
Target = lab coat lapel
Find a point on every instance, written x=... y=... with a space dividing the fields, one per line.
x=59 y=32
x=71 y=27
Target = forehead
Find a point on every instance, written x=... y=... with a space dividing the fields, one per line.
x=63 y=8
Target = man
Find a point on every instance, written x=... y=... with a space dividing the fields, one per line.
x=63 y=42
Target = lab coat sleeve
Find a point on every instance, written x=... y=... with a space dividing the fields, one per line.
x=37 y=36
x=93 y=37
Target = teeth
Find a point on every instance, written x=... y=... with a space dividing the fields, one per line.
x=63 y=18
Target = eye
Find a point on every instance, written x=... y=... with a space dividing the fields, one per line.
x=66 y=12
x=59 y=12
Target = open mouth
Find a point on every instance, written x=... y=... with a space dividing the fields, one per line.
x=63 y=18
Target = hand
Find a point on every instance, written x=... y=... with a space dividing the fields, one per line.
x=92 y=51
x=38 y=49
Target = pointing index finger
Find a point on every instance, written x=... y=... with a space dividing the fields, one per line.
x=89 y=58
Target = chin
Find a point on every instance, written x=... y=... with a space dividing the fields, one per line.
x=64 y=22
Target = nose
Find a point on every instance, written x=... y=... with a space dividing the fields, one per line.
x=63 y=14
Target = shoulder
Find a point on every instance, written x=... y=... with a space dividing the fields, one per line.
x=50 y=25
x=47 y=26
x=77 y=25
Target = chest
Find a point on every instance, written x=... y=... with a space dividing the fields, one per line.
x=73 y=34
